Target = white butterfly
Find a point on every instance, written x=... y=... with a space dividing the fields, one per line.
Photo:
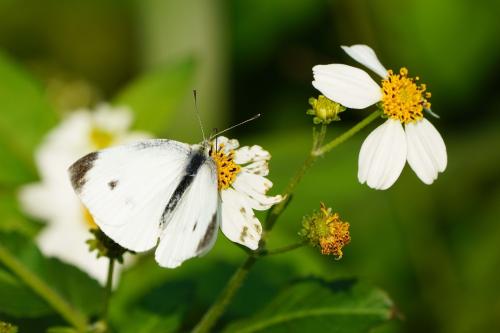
x=175 y=195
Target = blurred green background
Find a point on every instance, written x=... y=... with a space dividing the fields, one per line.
x=434 y=249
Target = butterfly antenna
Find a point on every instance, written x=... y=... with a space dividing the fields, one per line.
x=234 y=126
x=198 y=114
x=216 y=145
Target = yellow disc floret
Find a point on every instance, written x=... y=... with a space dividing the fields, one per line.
x=227 y=169
x=100 y=138
x=402 y=98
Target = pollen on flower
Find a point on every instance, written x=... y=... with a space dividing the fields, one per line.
x=100 y=138
x=327 y=231
x=402 y=98
x=227 y=169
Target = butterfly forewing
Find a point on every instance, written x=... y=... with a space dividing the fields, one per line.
x=126 y=188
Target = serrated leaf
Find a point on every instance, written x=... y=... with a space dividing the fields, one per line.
x=76 y=287
x=314 y=305
x=25 y=118
x=155 y=96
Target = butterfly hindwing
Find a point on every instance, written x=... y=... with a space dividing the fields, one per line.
x=126 y=188
x=190 y=227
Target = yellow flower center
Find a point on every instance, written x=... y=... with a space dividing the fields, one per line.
x=89 y=220
x=227 y=169
x=402 y=98
x=100 y=138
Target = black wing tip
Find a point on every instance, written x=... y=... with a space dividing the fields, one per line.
x=79 y=169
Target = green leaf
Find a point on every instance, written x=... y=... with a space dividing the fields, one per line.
x=76 y=287
x=25 y=118
x=12 y=219
x=59 y=329
x=19 y=301
x=155 y=96
x=312 y=305
x=142 y=321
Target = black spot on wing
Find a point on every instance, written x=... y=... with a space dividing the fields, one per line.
x=112 y=184
x=196 y=160
x=79 y=169
x=209 y=234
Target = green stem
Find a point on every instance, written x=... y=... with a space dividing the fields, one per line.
x=71 y=315
x=346 y=135
x=283 y=249
x=278 y=209
x=213 y=314
x=107 y=290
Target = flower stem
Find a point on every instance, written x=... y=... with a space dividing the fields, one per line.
x=346 y=135
x=107 y=290
x=70 y=314
x=213 y=314
x=278 y=209
x=283 y=249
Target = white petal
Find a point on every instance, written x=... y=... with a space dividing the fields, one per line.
x=260 y=168
x=426 y=150
x=68 y=243
x=254 y=188
x=367 y=57
x=251 y=154
x=229 y=144
x=347 y=85
x=383 y=155
x=50 y=201
x=35 y=201
x=112 y=119
x=239 y=223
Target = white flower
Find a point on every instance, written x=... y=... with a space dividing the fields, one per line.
x=385 y=151
x=242 y=185
x=53 y=200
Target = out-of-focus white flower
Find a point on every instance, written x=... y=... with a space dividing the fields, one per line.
x=242 y=183
x=386 y=150
x=53 y=200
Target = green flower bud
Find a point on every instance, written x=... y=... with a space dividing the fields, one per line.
x=324 y=110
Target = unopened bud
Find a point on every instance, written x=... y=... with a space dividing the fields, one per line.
x=324 y=110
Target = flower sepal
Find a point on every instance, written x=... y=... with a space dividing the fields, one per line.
x=105 y=246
